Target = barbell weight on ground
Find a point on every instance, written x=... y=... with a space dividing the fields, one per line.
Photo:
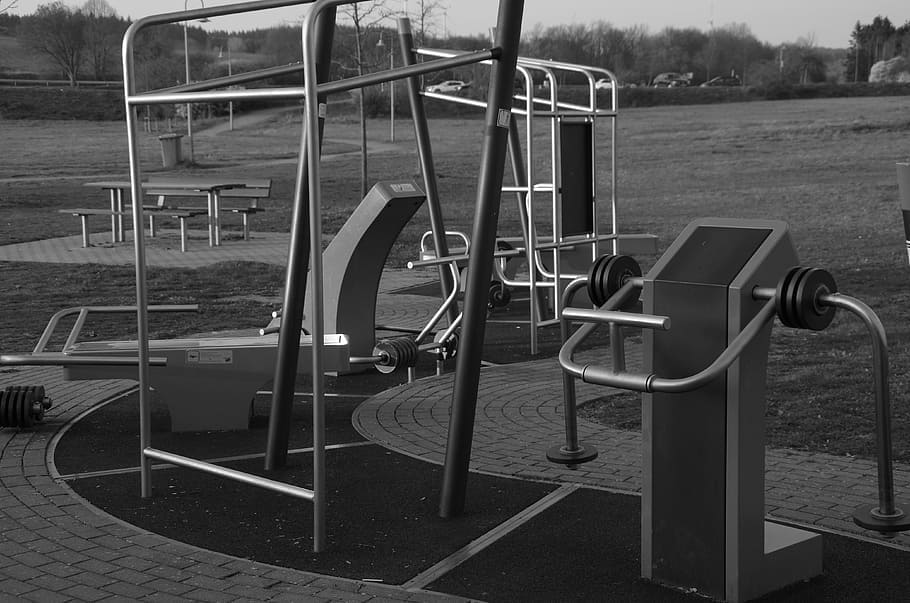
x=500 y=295
x=798 y=298
x=608 y=274
x=395 y=353
x=22 y=406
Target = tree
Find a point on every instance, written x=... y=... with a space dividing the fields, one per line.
x=364 y=17
x=59 y=32
x=103 y=31
x=5 y=5
x=425 y=15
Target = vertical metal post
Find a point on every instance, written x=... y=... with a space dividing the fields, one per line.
x=523 y=179
x=142 y=335
x=425 y=153
x=480 y=266
x=296 y=277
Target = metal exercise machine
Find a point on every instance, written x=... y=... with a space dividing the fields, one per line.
x=708 y=307
x=305 y=254
x=561 y=213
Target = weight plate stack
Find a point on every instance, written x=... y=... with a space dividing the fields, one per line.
x=608 y=274
x=798 y=298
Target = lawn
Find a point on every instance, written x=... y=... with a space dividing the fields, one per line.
x=824 y=166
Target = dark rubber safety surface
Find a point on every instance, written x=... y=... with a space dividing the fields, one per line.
x=587 y=548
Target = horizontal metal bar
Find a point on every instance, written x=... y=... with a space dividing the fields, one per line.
x=59 y=359
x=216 y=11
x=202 y=92
x=214 y=96
x=231 y=474
x=626 y=319
x=237 y=78
x=60 y=314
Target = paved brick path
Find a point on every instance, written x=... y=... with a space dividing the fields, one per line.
x=55 y=546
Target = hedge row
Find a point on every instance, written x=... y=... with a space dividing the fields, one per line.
x=106 y=105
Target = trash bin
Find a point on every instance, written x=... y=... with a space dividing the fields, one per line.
x=170 y=149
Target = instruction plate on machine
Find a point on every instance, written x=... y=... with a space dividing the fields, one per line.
x=209 y=356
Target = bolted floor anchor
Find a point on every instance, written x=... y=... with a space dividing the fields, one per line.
x=564 y=455
x=870 y=517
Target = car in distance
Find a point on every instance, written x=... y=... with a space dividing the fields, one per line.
x=603 y=84
x=670 y=79
x=724 y=80
x=447 y=86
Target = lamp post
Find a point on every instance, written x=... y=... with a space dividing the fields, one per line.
x=380 y=45
x=186 y=62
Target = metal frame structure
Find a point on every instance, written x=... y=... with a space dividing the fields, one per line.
x=306 y=227
x=543 y=247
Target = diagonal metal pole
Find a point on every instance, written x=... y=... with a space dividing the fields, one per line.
x=296 y=277
x=480 y=265
x=427 y=165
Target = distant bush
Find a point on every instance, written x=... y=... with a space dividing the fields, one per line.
x=61 y=103
x=107 y=105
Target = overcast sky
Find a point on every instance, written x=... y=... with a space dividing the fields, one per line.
x=828 y=22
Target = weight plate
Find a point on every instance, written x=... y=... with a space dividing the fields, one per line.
x=783 y=296
x=12 y=407
x=500 y=296
x=620 y=270
x=595 y=279
x=792 y=301
x=389 y=352
x=4 y=410
x=26 y=397
x=810 y=314
x=12 y=404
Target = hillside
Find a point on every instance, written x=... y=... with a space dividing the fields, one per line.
x=16 y=60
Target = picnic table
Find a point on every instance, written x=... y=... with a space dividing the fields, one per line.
x=211 y=188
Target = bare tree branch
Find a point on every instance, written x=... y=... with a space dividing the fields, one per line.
x=5 y=5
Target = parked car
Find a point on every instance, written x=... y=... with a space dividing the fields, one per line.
x=670 y=79
x=724 y=80
x=603 y=84
x=447 y=86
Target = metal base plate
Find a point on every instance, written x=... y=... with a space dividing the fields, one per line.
x=868 y=517
x=562 y=455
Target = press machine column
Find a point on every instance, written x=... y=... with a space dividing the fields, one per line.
x=703 y=466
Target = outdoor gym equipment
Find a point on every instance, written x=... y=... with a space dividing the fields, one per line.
x=23 y=406
x=206 y=383
x=561 y=212
x=709 y=304
x=354 y=261
x=306 y=223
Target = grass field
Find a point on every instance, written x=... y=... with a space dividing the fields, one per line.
x=824 y=166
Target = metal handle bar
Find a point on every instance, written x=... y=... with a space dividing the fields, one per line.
x=625 y=319
x=444 y=307
x=84 y=311
x=500 y=253
x=652 y=383
x=60 y=359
